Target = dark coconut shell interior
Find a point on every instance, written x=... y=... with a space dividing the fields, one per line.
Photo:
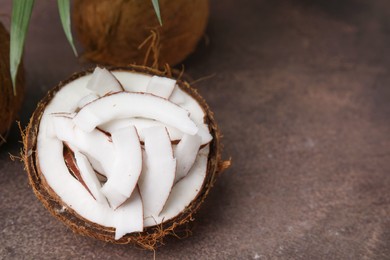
x=151 y=237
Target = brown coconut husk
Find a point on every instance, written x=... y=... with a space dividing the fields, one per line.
x=151 y=237
x=120 y=32
x=9 y=103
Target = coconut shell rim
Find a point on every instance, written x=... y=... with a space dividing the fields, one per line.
x=151 y=237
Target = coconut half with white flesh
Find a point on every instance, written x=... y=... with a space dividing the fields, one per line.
x=153 y=182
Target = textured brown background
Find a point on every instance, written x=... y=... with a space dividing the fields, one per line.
x=302 y=93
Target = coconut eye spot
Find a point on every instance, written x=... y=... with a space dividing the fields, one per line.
x=121 y=158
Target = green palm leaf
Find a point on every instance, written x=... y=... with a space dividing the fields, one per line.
x=156 y=7
x=21 y=13
x=64 y=9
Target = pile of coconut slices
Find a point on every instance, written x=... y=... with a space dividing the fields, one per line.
x=124 y=149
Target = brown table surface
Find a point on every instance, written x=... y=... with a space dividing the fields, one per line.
x=301 y=91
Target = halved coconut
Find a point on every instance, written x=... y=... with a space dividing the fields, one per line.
x=139 y=214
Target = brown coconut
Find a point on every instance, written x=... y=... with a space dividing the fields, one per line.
x=151 y=237
x=9 y=103
x=112 y=31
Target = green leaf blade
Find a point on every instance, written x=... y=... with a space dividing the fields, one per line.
x=156 y=7
x=64 y=10
x=21 y=14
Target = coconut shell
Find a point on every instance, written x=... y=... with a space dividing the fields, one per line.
x=151 y=237
x=111 y=31
x=9 y=103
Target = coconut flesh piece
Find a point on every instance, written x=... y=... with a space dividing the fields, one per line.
x=141 y=124
x=173 y=200
x=116 y=106
x=89 y=177
x=184 y=191
x=103 y=82
x=87 y=99
x=185 y=153
x=128 y=217
x=127 y=166
x=158 y=173
x=95 y=145
x=161 y=86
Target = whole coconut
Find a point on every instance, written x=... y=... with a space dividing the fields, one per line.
x=112 y=31
x=9 y=103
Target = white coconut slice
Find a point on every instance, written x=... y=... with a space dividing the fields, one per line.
x=127 y=166
x=87 y=99
x=184 y=191
x=140 y=124
x=89 y=177
x=185 y=101
x=185 y=153
x=116 y=106
x=158 y=173
x=132 y=81
x=161 y=86
x=177 y=96
x=95 y=145
x=204 y=134
x=114 y=197
x=128 y=218
x=103 y=82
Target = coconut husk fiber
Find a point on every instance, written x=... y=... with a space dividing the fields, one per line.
x=151 y=237
x=9 y=103
x=120 y=32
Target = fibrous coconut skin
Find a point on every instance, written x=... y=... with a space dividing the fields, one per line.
x=9 y=103
x=152 y=236
x=112 y=31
